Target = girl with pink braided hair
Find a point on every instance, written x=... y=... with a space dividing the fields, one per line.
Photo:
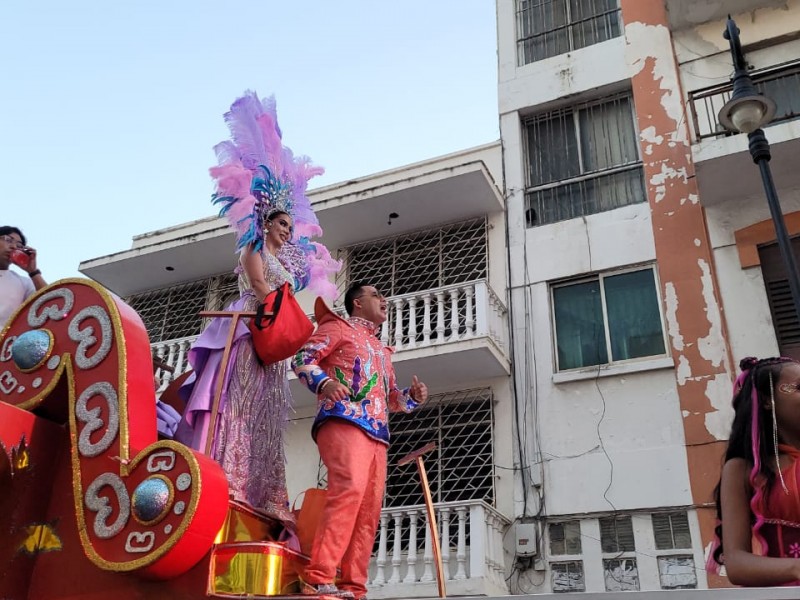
x=758 y=496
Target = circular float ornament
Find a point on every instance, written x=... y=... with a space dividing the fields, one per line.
x=152 y=499
x=31 y=349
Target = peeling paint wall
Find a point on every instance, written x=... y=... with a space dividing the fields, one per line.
x=684 y=253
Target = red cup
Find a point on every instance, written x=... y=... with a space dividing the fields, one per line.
x=20 y=258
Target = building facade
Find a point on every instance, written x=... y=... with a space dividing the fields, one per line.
x=642 y=268
x=431 y=237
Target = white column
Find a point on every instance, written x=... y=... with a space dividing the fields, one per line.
x=482 y=308
x=470 y=319
x=385 y=332
x=412 y=323
x=380 y=562
x=444 y=517
x=170 y=361
x=461 y=549
x=180 y=367
x=477 y=541
x=397 y=547
x=411 y=575
x=427 y=556
x=439 y=317
x=398 y=323
x=426 y=320
x=454 y=322
x=160 y=350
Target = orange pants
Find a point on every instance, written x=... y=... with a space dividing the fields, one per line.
x=356 y=480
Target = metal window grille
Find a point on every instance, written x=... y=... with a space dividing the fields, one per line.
x=462 y=466
x=418 y=261
x=567 y=576
x=781 y=305
x=172 y=313
x=582 y=160
x=671 y=531
x=565 y=538
x=621 y=574
x=548 y=28
x=620 y=571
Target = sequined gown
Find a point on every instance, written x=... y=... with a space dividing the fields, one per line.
x=249 y=440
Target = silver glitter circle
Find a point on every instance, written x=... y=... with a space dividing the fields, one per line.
x=31 y=348
x=183 y=482
x=180 y=506
x=92 y=420
x=99 y=504
x=150 y=499
x=86 y=339
x=36 y=383
x=52 y=312
x=168 y=529
x=5 y=353
x=53 y=363
x=21 y=389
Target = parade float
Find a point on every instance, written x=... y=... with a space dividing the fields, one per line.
x=92 y=503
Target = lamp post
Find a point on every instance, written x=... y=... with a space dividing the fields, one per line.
x=747 y=111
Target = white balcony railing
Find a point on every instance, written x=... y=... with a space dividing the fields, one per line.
x=471 y=537
x=432 y=317
x=451 y=313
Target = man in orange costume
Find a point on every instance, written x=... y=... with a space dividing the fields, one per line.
x=351 y=372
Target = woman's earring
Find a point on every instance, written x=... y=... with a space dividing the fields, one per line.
x=775 y=433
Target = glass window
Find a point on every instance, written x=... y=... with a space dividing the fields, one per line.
x=565 y=538
x=548 y=28
x=621 y=574
x=608 y=318
x=582 y=160
x=677 y=572
x=616 y=535
x=671 y=531
x=567 y=576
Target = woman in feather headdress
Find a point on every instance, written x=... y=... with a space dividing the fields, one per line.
x=261 y=188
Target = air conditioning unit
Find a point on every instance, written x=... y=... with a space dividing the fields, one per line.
x=526 y=536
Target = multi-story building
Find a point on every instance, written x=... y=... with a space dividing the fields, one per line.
x=643 y=266
x=431 y=236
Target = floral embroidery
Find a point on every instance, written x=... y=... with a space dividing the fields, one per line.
x=794 y=550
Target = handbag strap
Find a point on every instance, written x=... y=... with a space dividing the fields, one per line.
x=260 y=317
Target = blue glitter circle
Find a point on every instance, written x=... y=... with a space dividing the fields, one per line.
x=150 y=499
x=31 y=348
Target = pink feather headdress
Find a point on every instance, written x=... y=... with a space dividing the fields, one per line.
x=257 y=176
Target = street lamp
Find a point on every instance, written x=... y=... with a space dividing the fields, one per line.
x=747 y=111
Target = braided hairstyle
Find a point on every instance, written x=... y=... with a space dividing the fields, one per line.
x=751 y=436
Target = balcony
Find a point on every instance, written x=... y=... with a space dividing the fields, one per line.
x=688 y=13
x=449 y=334
x=471 y=535
x=724 y=166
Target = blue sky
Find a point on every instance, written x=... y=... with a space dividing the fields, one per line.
x=109 y=110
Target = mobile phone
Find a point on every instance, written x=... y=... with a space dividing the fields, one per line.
x=21 y=257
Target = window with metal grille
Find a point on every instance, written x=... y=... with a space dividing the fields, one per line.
x=607 y=318
x=461 y=468
x=548 y=28
x=671 y=530
x=618 y=546
x=779 y=296
x=565 y=538
x=567 y=576
x=172 y=313
x=582 y=160
x=418 y=261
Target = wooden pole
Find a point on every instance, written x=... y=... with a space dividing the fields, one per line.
x=416 y=457
x=223 y=369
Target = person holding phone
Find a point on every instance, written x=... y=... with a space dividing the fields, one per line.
x=15 y=288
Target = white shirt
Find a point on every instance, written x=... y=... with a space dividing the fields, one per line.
x=14 y=289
